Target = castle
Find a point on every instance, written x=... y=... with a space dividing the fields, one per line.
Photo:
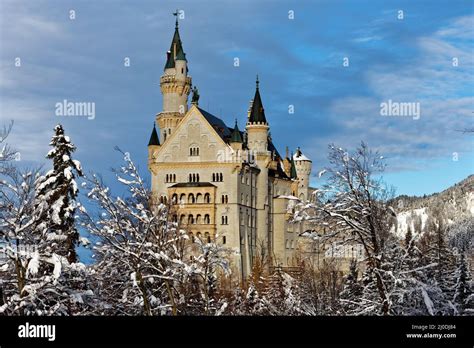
x=227 y=185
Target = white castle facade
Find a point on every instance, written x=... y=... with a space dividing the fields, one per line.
x=226 y=185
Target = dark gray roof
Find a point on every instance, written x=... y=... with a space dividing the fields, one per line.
x=257 y=113
x=154 y=140
x=219 y=125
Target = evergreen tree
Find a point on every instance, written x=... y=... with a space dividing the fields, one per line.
x=463 y=296
x=56 y=193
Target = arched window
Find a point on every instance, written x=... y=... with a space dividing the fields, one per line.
x=207 y=198
x=181 y=218
x=226 y=222
x=174 y=198
x=190 y=178
x=198 y=235
x=191 y=236
x=208 y=237
x=241 y=198
x=198 y=219
x=223 y=240
x=213 y=177
x=167 y=180
x=226 y=199
x=194 y=178
x=175 y=218
x=191 y=199
x=174 y=177
x=190 y=219
x=222 y=199
x=220 y=177
x=190 y=151
x=199 y=198
x=197 y=177
x=207 y=219
x=182 y=198
x=222 y=220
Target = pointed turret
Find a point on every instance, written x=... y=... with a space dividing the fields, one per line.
x=257 y=112
x=176 y=51
x=153 y=145
x=236 y=141
x=257 y=126
x=154 y=140
x=236 y=137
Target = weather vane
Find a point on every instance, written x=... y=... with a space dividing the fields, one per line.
x=176 y=14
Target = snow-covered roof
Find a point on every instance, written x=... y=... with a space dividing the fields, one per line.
x=299 y=156
x=287 y=197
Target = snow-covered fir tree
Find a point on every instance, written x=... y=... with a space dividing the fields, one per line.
x=35 y=279
x=56 y=194
x=463 y=294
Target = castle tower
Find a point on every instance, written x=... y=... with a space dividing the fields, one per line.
x=303 y=171
x=257 y=141
x=175 y=85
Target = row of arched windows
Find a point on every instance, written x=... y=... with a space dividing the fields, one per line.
x=194 y=151
x=170 y=178
x=193 y=177
x=191 y=198
x=216 y=177
x=191 y=220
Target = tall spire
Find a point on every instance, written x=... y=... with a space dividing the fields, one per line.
x=176 y=51
x=257 y=113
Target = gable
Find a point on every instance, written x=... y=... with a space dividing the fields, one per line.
x=194 y=131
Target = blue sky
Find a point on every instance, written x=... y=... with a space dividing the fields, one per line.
x=299 y=61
